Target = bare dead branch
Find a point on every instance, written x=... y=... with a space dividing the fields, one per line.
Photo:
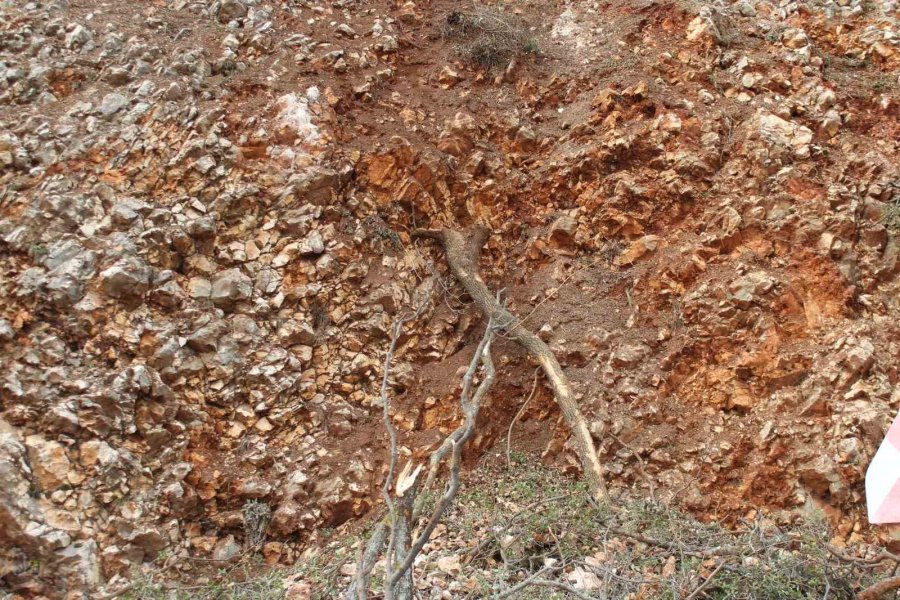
x=359 y=588
x=521 y=586
x=392 y=432
x=403 y=505
x=402 y=584
x=878 y=558
x=462 y=250
x=470 y=406
x=676 y=547
x=467 y=405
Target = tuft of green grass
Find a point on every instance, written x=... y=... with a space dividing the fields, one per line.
x=38 y=251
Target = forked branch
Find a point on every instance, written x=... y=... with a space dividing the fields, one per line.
x=463 y=250
x=403 y=499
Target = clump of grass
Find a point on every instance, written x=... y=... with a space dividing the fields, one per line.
x=242 y=582
x=488 y=37
x=38 y=251
x=256 y=519
x=891 y=217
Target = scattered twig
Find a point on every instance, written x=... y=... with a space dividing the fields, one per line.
x=559 y=585
x=675 y=547
x=516 y=418
x=878 y=558
x=641 y=467
x=699 y=589
x=522 y=585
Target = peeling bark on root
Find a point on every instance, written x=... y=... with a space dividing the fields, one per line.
x=463 y=250
x=880 y=589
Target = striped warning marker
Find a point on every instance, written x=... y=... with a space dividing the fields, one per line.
x=883 y=479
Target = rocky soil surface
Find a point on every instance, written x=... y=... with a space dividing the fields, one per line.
x=205 y=211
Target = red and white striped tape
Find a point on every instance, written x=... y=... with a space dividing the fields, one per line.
x=883 y=479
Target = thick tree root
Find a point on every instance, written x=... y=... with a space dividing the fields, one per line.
x=463 y=250
x=880 y=589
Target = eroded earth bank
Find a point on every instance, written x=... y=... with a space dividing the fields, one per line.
x=205 y=222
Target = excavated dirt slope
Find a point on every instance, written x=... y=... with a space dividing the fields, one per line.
x=204 y=222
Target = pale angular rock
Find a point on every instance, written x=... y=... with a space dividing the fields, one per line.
x=79 y=563
x=312 y=244
x=821 y=476
x=226 y=549
x=169 y=294
x=49 y=462
x=831 y=124
x=858 y=360
x=628 y=356
x=294 y=122
x=345 y=30
x=562 y=232
x=97 y=453
x=198 y=287
x=749 y=288
x=746 y=9
x=335 y=500
x=458 y=136
x=206 y=339
x=181 y=498
x=18 y=510
x=112 y=103
x=252 y=488
x=787 y=134
x=387 y=44
x=794 y=38
x=448 y=77
x=638 y=249
x=7 y=333
x=229 y=287
x=128 y=278
x=449 y=564
x=297 y=332
x=148 y=539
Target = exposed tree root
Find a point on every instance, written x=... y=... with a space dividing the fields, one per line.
x=463 y=250
x=880 y=589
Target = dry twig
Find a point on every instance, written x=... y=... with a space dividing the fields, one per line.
x=516 y=418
